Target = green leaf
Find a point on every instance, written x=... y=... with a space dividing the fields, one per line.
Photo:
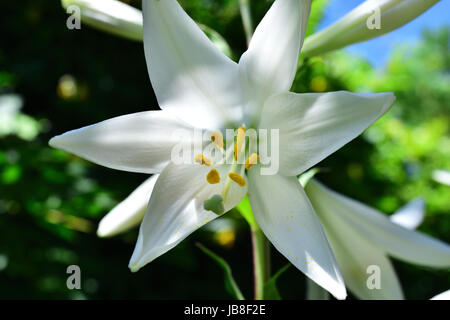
x=246 y=211
x=270 y=287
x=230 y=284
x=11 y=174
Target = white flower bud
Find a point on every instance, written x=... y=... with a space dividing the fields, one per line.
x=371 y=19
x=111 y=16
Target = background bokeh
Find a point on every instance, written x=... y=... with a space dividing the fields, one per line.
x=53 y=80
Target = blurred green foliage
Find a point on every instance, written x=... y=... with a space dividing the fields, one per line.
x=51 y=202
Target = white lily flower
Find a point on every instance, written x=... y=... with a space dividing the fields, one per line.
x=111 y=16
x=195 y=82
x=361 y=236
x=354 y=26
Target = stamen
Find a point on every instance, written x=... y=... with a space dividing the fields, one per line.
x=217 y=138
x=239 y=141
x=201 y=159
x=237 y=178
x=251 y=161
x=213 y=177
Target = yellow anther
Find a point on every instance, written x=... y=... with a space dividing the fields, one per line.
x=213 y=176
x=237 y=178
x=239 y=142
x=217 y=138
x=201 y=159
x=251 y=161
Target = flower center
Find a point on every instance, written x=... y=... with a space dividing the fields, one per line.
x=236 y=173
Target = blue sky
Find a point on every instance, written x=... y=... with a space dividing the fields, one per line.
x=377 y=50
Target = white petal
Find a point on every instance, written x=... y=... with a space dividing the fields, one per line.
x=442 y=296
x=288 y=220
x=353 y=252
x=356 y=261
x=411 y=215
x=129 y=213
x=189 y=74
x=176 y=209
x=353 y=27
x=270 y=63
x=139 y=142
x=441 y=176
x=313 y=125
x=404 y=244
x=110 y=16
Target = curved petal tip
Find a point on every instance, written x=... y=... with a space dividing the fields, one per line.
x=53 y=142
x=341 y=294
x=104 y=230
x=134 y=267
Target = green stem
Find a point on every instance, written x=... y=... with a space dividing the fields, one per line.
x=246 y=18
x=314 y=291
x=261 y=261
x=260 y=244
